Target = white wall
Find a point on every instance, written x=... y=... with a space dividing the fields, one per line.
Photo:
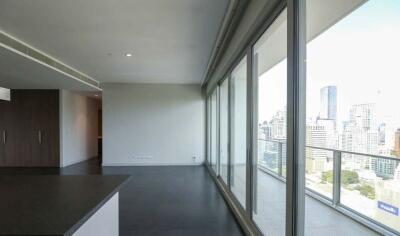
x=5 y=94
x=79 y=127
x=153 y=124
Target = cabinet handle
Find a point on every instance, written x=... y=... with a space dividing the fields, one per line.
x=40 y=137
x=4 y=136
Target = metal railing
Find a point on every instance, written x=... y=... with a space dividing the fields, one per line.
x=339 y=171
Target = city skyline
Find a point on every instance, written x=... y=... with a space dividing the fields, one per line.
x=355 y=118
x=358 y=74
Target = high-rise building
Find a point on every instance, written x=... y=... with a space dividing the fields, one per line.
x=328 y=103
x=383 y=168
x=396 y=175
x=272 y=135
x=360 y=134
x=397 y=143
x=275 y=128
x=332 y=138
x=363 y=116
x=278 y=124
x=264 y=131
x=382 y=134
x=316 y=159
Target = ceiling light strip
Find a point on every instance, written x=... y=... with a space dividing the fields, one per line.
x=23 y=49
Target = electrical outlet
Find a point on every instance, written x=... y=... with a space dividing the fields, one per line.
x=142 y=157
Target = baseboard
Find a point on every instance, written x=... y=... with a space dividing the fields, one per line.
x=152 y=164
x=70 y=163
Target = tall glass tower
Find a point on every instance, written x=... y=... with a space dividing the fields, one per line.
x=328 y=103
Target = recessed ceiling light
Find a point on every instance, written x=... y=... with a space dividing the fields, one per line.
x=128 y=54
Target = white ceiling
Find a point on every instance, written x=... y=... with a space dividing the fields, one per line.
x=321 y=15
x=171 y=40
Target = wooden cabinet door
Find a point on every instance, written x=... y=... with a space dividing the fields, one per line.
x=33 y=114
x=18 y=146
x=15 y=146
x=31 y=121
x=3 y=131
x=47 y=128
x=44 y=128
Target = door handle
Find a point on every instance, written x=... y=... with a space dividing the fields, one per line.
x=4 y=136
x=40 y=136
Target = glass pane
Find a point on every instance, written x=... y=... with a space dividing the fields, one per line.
x=238 y=157
x=214 y=137
x=352 y=85
x=319 y=171
x=269 y=186
x=209 y=130
x=223 y=129
x=371 y=186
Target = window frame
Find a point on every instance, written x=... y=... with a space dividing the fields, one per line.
x=296 y=190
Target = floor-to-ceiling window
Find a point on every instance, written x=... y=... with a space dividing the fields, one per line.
x=224 y=129
x=208 y=130
x=352 y=127
x=239 y=131
x=269 y=62
x=214 y=129
x=353 y=120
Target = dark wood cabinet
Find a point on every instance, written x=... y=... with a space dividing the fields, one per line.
x=4 y=108
x=31 y=125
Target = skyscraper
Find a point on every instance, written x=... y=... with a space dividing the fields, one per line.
x=360 y=134
x=364 y=116
x=328 y=103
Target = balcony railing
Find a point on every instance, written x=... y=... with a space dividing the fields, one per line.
x=366 y=186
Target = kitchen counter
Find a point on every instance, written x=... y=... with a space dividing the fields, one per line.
x=51 y=204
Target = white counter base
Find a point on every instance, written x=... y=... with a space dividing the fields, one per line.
x=105 y=222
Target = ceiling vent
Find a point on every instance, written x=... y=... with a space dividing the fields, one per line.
x=25 y=50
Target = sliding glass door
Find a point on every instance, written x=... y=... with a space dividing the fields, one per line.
x=214 y=130
x=353 y=135
x=224 y=129
x=239 y=131
x=270 y=68
x=209 y=130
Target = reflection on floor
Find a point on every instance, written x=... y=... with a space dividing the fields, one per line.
x=238 y=185
x=173 y=200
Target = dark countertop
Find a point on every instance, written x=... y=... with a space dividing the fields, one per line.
x=51 y=204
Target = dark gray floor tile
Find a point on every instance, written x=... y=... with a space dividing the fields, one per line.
x=160 y=200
